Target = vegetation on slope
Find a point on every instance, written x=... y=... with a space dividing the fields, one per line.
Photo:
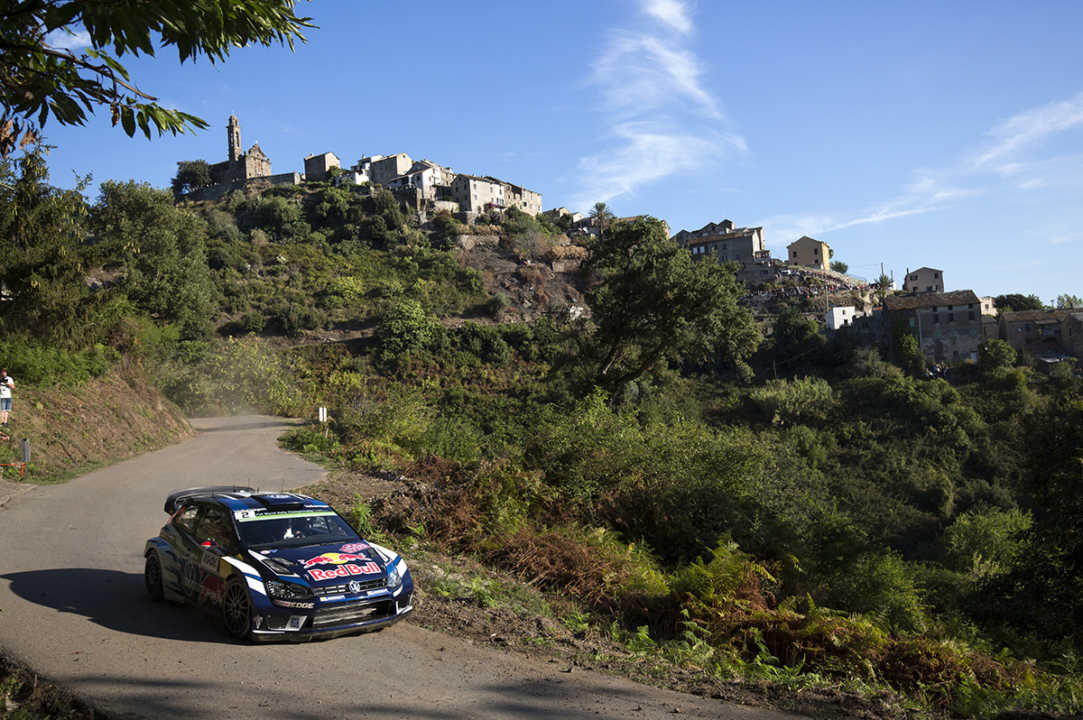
x=794 y=508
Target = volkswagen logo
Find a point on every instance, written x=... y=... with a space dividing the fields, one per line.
x=355 y=587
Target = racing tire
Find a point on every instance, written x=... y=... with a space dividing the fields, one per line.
x=152 y=577
x=237 y=609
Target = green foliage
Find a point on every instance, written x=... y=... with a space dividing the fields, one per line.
x=39 y=79
x=1069 y=302
x=808 y=400
x=1017 y=302
x=232 y=375
x=839 y=266
x=986 y=543
x=909 y=354
x=161 y=253
x=996 y=355
x=191 y=175
x=883 y=585
x=43 y=366
x=43 y=238
x=653 y=302
x=403 y=327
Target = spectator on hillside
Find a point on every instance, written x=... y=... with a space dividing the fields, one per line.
x=6 y=386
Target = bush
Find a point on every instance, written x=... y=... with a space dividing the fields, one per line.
x=45 y=366
x=808 y=399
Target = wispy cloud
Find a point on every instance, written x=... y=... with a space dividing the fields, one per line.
x=996 y=165
x=1031 y=126
x=671 y=12
x=662 y=120
x=926 y=194
x=68 y=39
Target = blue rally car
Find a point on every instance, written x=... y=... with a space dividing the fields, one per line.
x=274 y=565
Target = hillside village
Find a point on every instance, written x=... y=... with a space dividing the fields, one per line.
x=949 y=325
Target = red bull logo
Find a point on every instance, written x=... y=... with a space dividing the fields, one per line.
x=333 y=558
x=369 y=568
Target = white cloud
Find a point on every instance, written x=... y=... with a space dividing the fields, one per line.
x=1031 y=126
x=662 y=120
x=1033 y=184
x=639 y=73
x=1061 y=240
x=68 y=39
x=672 y=12
x=645 y=153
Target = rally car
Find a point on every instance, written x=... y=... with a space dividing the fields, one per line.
x=274 y=565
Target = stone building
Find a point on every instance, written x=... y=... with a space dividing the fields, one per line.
x=809 y=252
x=384 y=168
x=317 y=166
x=476 y=194
x=1035 y=331
x=948 y=326
x=426 y=176
x=724 y=242
x=923 y=280
x=519 y=197
x=240 y=166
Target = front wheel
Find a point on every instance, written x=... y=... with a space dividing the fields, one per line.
x=237 y=609
x=152 y=576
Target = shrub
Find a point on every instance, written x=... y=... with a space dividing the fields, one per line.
x=809 y=399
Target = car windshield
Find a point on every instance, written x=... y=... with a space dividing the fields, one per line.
x=293 y=528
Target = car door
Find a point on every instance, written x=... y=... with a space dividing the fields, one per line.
x=217 y=538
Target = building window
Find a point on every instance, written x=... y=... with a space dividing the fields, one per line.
x=971 y=314
x=936 y=319
x=951 y=317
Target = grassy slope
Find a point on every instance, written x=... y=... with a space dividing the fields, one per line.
x=74 y=429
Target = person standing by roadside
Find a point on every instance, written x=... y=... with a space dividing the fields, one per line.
x=6 y=386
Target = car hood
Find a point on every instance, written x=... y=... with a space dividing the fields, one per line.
x=324 y=564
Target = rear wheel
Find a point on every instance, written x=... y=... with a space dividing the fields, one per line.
x=237 y=609
x=152 y=576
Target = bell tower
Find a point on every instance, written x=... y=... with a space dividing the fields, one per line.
x=234 y=131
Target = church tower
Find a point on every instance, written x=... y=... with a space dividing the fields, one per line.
x=234 y=130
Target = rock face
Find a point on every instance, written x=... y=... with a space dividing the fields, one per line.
x=532 y=288
x=469 y=242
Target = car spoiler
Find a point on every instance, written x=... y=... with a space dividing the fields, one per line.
x=174 y=498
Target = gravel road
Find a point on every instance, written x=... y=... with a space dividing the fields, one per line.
x=72 y=606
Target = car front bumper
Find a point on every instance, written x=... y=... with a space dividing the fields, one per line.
x=282 y=624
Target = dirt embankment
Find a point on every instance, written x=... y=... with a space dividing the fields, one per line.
x=73 y=429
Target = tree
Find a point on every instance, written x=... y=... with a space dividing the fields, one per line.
x=995 y=355
x=1017 y=302
x=1069 y=302
x=43 y=239
x=39 y=76
x=883 y=285
x=652 y=301
x=191 y=175
x=839 y=266
x=601 y=217
x=162 y=251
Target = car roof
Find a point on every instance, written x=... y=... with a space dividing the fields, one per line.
x=243 y=498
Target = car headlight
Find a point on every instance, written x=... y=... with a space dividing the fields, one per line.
x=395 y=573
x=287 y=591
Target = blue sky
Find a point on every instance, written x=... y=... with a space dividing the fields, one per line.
x=925 y=133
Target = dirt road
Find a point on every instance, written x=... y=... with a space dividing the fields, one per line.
x=72 y=606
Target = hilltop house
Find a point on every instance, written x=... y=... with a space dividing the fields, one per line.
x=317 y=166
x=840 y=317
x=1036 y=331
x=923 y=280
x=809 y=252
x=724 y=242
x=948 y=326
